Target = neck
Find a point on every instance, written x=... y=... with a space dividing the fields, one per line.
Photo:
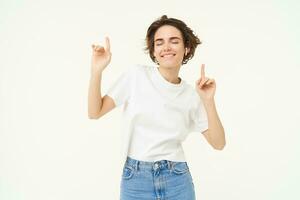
x=170 y=74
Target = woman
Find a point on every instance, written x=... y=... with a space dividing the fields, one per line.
x=160 y=109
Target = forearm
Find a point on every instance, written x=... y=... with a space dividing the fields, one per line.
x=215 y=128
x=94 y=95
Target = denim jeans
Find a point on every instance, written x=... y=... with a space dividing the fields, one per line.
x=160 y=180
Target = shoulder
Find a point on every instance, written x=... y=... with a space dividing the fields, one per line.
x=194 y=99
x=131 y=71
x=190 y=90
x=135 y=71
x=141 y=70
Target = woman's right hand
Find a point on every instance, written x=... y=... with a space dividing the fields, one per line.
x=101 y=56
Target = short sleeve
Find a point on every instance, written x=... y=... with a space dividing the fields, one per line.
x=199 y=122
x=120 y=90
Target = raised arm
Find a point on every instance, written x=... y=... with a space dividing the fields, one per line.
x=98 y=105
x=215 y=134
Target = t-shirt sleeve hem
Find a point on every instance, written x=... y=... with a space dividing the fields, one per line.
x=200 y=127
x=116 y=101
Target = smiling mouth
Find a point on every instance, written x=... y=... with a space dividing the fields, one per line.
x=168 y=55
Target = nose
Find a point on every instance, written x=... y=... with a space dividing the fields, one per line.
x=166 y=47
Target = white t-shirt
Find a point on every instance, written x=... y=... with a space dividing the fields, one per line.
x=157 y=115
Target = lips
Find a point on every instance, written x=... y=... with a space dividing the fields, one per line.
x=169 y=55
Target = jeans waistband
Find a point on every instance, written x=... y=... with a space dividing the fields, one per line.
x=161 y=164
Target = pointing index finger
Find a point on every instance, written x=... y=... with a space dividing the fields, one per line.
x=107 y=44
x=202 y=71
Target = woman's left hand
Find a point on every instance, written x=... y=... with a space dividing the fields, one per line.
x=205 y=87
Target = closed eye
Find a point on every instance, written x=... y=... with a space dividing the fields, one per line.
x=173 y=42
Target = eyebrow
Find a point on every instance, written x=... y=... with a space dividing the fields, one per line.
x=171 y=38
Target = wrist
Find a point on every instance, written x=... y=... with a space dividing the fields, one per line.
x=96 y=75
x=209 y=102
x=96 y=72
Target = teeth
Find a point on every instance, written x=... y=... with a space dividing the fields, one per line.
x=169 y=55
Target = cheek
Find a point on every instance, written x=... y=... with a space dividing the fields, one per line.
x=179 y=49
x=156 y=52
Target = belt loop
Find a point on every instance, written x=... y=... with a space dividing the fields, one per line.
x=136 y=165
x=172 y=164
x=169 y=164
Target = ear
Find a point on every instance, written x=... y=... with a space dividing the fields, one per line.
x=187 y=50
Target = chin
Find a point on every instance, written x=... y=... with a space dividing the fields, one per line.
x=170 y=64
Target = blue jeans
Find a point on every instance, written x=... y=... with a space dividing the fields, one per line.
x=160 y=180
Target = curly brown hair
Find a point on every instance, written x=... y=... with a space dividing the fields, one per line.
x=191 y=41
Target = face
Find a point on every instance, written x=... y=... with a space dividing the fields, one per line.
x=168 y=46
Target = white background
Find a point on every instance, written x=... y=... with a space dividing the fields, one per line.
x=50 y=150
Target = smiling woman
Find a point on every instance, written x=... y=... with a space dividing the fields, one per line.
x=169 y=50
x=160 y=110
x=171 y=31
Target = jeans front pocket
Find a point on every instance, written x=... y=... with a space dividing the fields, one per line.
x=180 y=168
x=128 y=172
